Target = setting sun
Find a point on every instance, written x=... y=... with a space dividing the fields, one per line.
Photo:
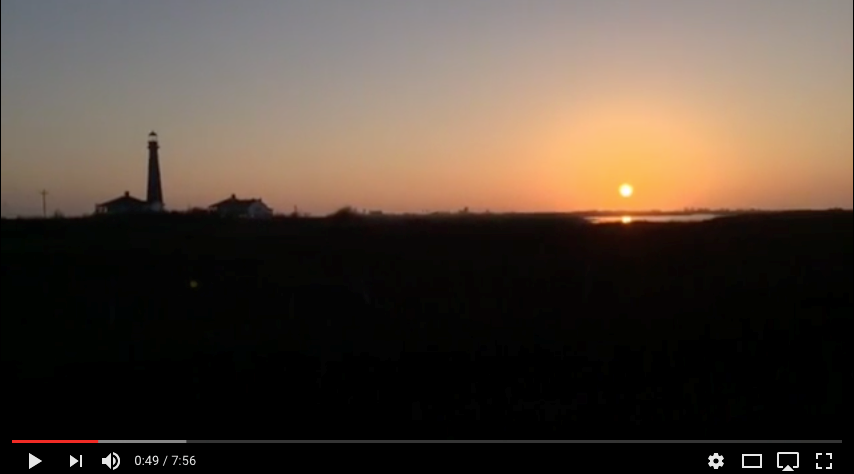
x=627 y=190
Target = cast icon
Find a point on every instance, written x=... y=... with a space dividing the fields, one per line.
x=788 y=462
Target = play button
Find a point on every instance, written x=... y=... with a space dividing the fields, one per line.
x=34 y=461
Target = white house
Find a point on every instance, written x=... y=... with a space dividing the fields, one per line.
x=234 y=207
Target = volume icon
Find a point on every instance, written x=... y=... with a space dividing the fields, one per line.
x=112 y=461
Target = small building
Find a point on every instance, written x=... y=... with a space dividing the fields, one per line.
x=126 y=204
x=234 y=207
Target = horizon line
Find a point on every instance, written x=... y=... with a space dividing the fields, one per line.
x=586 y=213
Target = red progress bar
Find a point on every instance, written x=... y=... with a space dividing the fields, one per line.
x=61 y=442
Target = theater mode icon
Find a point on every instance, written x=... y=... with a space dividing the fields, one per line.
x=751 y=461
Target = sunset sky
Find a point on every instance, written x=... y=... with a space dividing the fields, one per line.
x=413 y=105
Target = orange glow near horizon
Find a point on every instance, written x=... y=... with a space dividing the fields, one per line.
x=669 y=151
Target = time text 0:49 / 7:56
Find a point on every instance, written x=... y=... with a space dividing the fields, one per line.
x=173 y=460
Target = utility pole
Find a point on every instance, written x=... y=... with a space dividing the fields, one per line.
x=44 y=203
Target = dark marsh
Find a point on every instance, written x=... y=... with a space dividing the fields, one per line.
x=515 y=328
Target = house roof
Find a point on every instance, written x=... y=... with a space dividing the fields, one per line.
x=234 y=204
x=127 y=200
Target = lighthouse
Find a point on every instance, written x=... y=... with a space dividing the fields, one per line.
x=154 y=197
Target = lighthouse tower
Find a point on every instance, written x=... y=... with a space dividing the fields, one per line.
x=155 y=189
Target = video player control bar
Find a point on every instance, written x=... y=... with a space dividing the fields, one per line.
x=586 y=456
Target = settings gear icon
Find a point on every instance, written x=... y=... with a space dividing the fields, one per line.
x=716 y=461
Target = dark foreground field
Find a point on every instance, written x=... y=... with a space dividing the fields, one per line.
x=472 y=328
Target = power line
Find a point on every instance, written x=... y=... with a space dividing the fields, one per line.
x=44 y=203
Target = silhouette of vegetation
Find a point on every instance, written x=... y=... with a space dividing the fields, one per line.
x=459 y=327
x=347 y=213
x=198 y=211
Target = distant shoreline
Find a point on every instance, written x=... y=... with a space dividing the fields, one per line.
x=710 y=213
